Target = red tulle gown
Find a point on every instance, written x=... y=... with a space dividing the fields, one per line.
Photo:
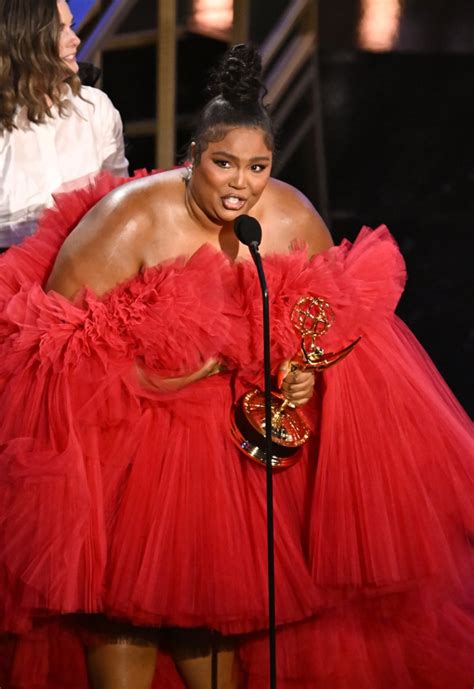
x=115 y=499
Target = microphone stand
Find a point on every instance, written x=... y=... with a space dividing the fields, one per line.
x=253 y=246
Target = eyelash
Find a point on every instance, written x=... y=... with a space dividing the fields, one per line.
x=257 y=167
x=72 y=26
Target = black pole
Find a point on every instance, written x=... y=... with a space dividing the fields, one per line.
x=268 y=466
x=249 y=232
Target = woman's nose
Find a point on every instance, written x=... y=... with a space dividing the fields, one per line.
x=238 y=180
x=74 y=38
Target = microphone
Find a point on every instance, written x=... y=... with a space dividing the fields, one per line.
x=248 y=230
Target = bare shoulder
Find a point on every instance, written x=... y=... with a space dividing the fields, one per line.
x=291 y=217
x=108 y=244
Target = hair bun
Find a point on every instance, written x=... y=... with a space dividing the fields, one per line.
x=238 y=78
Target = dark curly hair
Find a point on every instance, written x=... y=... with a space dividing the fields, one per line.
x=236 y=92
x=31 y=71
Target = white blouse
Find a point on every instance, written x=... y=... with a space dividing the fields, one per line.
x=60 y=154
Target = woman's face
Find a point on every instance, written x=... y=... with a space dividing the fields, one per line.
x=232 y=174
x=68 y=41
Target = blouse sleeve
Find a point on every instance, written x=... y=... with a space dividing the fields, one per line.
x=111 y=138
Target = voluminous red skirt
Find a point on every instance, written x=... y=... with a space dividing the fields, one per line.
x=135 y=504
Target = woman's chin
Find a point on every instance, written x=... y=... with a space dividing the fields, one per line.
x=72 y=65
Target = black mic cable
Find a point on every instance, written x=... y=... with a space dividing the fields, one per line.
x=249 y=232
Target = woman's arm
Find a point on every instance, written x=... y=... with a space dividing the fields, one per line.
x=288 y=217
x=104 y=249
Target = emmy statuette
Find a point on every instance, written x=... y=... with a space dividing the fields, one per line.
x=311 y=317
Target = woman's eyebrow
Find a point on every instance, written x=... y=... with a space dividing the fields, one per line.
x=230 y=155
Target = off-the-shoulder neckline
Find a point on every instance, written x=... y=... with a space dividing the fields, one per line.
x=182 y=262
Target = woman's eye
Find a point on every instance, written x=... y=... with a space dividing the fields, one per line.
x=258 y=167
x=64 y=27
x=222 y=163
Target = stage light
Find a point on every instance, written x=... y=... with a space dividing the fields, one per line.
x=379 y=24
x=212 y=17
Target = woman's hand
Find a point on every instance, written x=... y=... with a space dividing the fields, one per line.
x=297 y=386
x=152 y=381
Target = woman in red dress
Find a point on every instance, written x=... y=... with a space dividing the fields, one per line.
x=130 y=521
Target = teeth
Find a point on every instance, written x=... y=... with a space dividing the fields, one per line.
x=233 y=202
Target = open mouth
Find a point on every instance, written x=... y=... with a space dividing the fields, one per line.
x=233 y=203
